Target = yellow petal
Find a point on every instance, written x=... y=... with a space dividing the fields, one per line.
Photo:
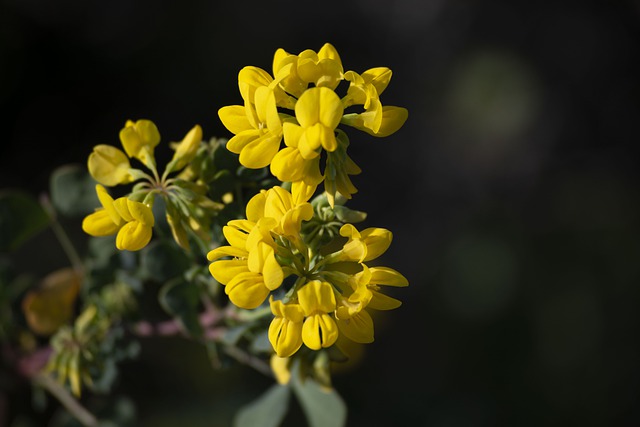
x=387 y=276
x=121 y=205
x=99 y=223
x=285 y=336
x=133 y=236
x=278 y=203
x=377 y=240
x=319 y=331
x=302 y=192
x=358 y=328
x=109 y=166
x=266 y=109
x=328 y=51
x=224 y=251
x=238 y=142
x=225 y=270
x=255 y=207
x=259 y=152
x=311 y=140
x=234 y=118
x=247 y=290
x=272 y=271
x=317 y=296
x=107 y=203
x=188 y=147
x=381 y=301
x=393 y=118
x=330 y=108
x=138 y=135
x=292 y=133
x=308 y=107
x=288 y=165
x=140 y=212
x=280 y=367
x=249 y=79
x=292 y=220
x=235 y=237
x=379 y=77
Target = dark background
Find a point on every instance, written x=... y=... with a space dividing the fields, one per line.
x=512 y=190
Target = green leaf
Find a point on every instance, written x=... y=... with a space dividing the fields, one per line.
x=21 y=217
x=233 y=334
x=180 y=299
x=322 y=406
x=162 y=261
x=351 y=216
x=261 y=343
x=73 y=191
x=267 y=411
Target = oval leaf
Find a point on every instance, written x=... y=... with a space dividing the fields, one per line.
x=322 y=406
x=73 y=191
x=267 y=410
x=21 y=217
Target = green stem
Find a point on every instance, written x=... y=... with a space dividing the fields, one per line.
x=86 y=418
x=61 y=235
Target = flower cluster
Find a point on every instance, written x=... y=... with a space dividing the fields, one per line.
x=296 y=250
x=307 y=258
x=131 y=217
x=330 y=292
x=306 y=84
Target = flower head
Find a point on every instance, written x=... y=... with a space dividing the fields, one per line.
x=306 y=83
x=332 y=290
x=188 y=209
x=132 y=221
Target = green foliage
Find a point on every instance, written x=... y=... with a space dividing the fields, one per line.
x=21 y=217
x=181 y=299
x=322 y=406
x=267 y=411
x=162 y=261
x=72 y=191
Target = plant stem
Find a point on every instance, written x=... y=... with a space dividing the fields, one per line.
x=62 y=236
x=86 y=418
x=242 y=357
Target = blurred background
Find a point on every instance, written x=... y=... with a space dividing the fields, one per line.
x=512 y=190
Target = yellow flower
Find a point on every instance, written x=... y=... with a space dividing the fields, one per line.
x=139 y=139
x=323 y=69
x=288 y=165
x=317 y=299
x=187 y=149
x=252 y=78
x=318 y=112
x=132 y=221
x=109 y=166
x=285 y=69
x=254 y=271
x=358 y=327
x=285 y=330
x=368 y=282
x=104 y=221
x=353 y=320
x=136 y=233
x=280 y=368
x=362 y=246
x=391 y=121
x=257 y=129
x=365 y=90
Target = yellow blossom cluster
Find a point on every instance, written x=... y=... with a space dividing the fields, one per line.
x=331 y=292
x=131 y=217
x=305 y=85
